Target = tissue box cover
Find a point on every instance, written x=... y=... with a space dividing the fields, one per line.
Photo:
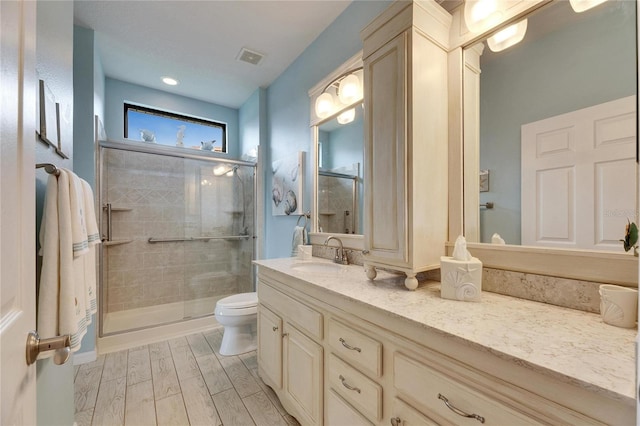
x=460 y=279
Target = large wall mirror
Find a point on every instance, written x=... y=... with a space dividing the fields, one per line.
x=337 y=130
x=550 y=133
x=339 y=174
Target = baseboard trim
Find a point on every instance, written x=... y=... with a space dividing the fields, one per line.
x=85 y=357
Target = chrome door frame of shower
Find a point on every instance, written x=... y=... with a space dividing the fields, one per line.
x=169 y=151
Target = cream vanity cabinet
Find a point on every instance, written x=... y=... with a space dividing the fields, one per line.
x=290 y=359
x=405 y=154
x=334 y=361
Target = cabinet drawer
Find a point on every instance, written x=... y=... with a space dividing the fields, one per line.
x=355 y=347
x=339 y=413
x=422 y=385
x=295 y=312
x=356 y=388
x=406 y=415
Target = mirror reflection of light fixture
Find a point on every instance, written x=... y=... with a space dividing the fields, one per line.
x=347 y=116
x=347 y=88
x=582 y=5
x=324 y=105
x=480 y=15
x=506 y=38
x=224 y=169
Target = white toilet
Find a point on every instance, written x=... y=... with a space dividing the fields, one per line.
x=238 y=314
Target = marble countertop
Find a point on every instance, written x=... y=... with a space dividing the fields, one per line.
x=570 y=345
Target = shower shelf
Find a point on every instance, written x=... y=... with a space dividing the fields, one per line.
x=116 y=242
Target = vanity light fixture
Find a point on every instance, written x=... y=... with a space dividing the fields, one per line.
x=480 y=15
x=344 y=90
x=347 y=116
x=350 y=89
x=582 y=5
x=506 y=38
x=324 y=105
x=169 y=81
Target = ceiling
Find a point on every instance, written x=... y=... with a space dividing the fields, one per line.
x=197 y=42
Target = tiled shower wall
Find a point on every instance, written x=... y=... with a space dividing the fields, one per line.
x=169 y=197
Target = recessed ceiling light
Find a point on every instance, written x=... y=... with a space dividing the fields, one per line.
x=170 y=81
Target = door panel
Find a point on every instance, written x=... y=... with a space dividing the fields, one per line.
x=303 y=375
x=17 y=210
x=270 y=346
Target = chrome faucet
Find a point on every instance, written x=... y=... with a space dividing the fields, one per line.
x=341 y=254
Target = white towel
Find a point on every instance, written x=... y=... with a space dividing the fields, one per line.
x=77 y=209
x=67 y=296
x=299 y=238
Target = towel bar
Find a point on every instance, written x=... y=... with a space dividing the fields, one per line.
x=49 y=168
x=152 y=240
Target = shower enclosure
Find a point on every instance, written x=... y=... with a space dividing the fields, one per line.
x=178 y=234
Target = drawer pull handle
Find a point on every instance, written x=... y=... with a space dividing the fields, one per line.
x=284 y=335
x=459 y=411
x=348 y=346
x=275 y=328
x=396 y=421
x=346 y=385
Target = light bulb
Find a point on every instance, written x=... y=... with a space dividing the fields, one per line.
x=350 y=89
x=324 y=105
x=170 y=81
x=347 y=116
x=480 y=15
x=506 y=38
x=582 y=5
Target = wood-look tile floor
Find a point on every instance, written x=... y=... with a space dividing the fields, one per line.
x=183 y=381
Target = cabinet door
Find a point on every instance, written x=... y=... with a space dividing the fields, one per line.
x=270 y=346
x=303 y=373
x=385 y=146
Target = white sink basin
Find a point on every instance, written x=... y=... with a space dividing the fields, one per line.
x=318 y=267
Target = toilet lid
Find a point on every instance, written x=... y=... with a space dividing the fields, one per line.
x=241 y=300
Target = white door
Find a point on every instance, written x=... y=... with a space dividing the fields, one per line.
x=582 y=166
x=17 y=210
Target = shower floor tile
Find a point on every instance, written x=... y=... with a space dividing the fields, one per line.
x=178 y=382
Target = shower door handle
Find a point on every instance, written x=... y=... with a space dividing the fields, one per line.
x=107 y=207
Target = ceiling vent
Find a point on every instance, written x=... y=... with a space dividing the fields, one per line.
x=249 y=56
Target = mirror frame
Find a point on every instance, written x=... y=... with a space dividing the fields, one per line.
x=464 y=168
x=351 y=241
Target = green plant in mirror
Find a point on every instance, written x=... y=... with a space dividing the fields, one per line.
x=631 y=238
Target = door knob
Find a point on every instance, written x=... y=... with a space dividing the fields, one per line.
x=60 y=344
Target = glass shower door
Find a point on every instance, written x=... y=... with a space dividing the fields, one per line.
x=180 y=237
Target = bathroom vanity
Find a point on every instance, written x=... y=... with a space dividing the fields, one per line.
x=339 y=349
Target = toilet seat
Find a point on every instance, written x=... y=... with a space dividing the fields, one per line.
x=237 y=305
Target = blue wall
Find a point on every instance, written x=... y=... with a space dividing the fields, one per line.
x=288 y=108
x=54 y=64
x=119 y=92
x=583 y=65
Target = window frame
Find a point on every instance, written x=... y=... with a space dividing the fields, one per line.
x=175 y=116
